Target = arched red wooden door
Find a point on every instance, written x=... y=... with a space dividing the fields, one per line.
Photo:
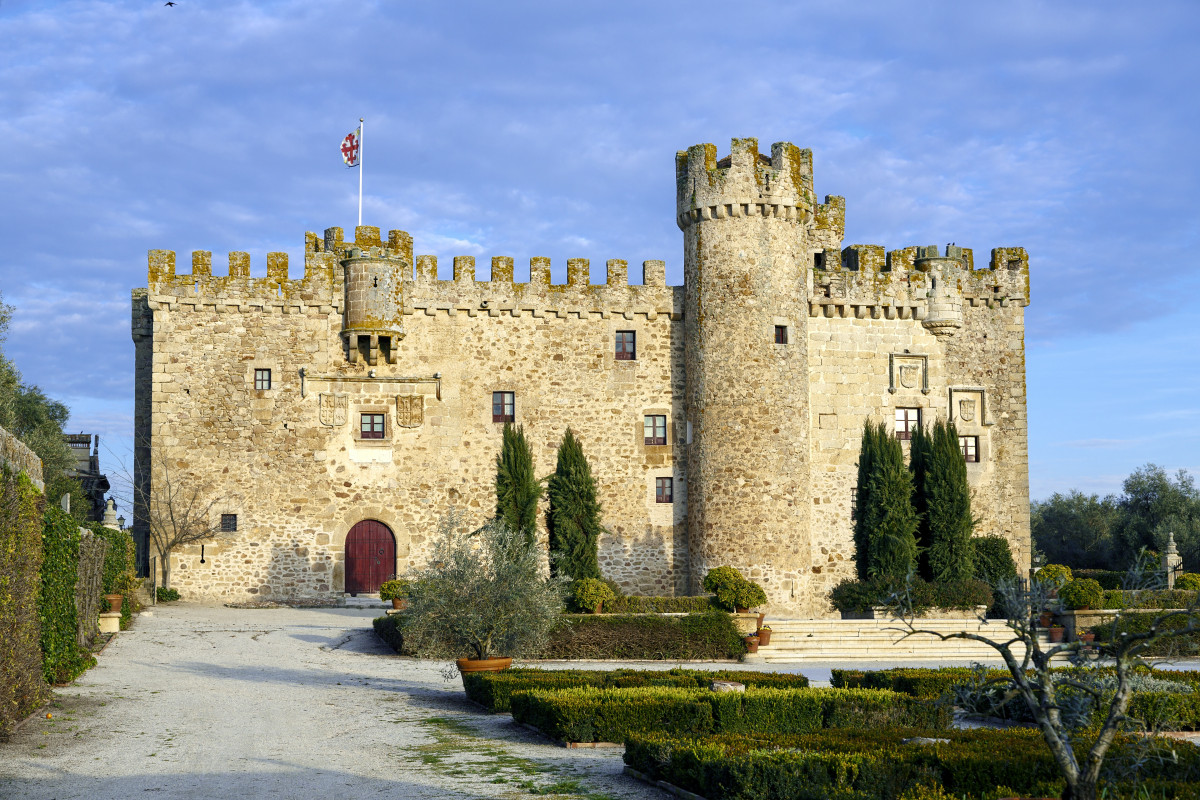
x=370 y=556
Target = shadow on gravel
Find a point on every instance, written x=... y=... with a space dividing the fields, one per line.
x=276 y=779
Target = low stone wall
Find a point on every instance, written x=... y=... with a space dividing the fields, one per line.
x=19 y=458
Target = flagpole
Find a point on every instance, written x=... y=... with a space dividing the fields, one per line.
x=360 y=168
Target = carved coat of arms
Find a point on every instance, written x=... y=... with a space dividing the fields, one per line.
x=334 y=409
x=410 y=410
x=908 y=375
x=966 y=410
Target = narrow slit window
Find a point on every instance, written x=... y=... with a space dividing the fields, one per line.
x=969 y=445
x=262 y=379
x=655 y=428
x=626 y=346
x=664 y=490
x=781 y=334
x=372 y=426
x=504 y=407
x=907 y=420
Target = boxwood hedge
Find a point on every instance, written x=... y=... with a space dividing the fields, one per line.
x=881 y=765
x=590 y=714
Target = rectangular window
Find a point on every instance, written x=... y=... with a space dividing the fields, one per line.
x=626 y=346
x=664 y=490
x=504 y=407
x=228 y=523
x=969 y=445
x=907 y=420
x=262 y=379
x=655 y=428
x=781 y=334
x=371 y=426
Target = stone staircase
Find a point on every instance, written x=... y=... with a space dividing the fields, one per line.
x=876 y=640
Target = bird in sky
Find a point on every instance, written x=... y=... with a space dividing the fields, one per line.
x=168 y=3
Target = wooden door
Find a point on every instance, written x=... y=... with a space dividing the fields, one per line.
x=370 y=557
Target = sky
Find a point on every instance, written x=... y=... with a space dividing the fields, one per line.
x=549 y=129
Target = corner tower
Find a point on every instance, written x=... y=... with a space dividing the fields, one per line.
x=748 y=230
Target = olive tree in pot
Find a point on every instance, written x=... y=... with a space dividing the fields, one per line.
x=1082 y=712
x=481 y=598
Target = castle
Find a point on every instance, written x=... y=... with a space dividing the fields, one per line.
x=336 y=418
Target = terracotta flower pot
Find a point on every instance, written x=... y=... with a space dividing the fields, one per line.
x=751 y=644
x=1056 y=634
x=764 y=637
x=741 y=610
x=114 y=602
x=1046 y=620
x=400 y=603
x=483 y=664
x=1087 y=638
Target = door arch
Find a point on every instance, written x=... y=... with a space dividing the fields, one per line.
x=370 y=556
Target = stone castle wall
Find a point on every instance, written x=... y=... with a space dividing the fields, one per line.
x=765 y=483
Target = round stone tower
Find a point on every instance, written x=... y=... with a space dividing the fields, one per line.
x=747 y=223
x=373 y=320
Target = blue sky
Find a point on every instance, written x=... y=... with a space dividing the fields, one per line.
x=550 y=129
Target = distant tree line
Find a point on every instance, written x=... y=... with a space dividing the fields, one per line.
x=1087 y=531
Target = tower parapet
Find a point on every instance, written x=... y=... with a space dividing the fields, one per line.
x=745 y=183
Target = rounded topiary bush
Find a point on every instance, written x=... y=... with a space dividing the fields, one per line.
x=396 y=589
x=590 y=594
x=732 y=589
x=1084 y=593
x=1056 y=574
x=749 y=595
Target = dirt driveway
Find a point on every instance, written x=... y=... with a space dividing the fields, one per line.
x=210 y=702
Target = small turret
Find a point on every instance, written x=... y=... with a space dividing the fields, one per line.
x=373 y=321
x=944 y=315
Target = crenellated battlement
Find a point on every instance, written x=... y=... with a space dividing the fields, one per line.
x=865 y=281
x=745 y=183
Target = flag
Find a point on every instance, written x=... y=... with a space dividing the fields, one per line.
x=350 y=147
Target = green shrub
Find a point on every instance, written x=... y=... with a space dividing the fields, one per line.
x=1186 y=644
x=22 y=684
x=590 y=594
x=632 y=604
x=750 y=595
x=591 y=714
x=724 y=582
x=1107 y=578
x=493 y=690
x=1148 y=599
x=1188 y=582
x=63 y=659
x=395 y=589
x=1084 y=593
x=712 y=634
x=993 y=559
x=573 y=519
x=878 y=764
x=166 y=595
x=921 y=596
x=1053 y=573
x=391 y=629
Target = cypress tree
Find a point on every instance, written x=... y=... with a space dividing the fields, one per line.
x=948 y=496
x=919 y=453
x=891 y=522
x=517 y=490
x=867 y=456
x=573 y=520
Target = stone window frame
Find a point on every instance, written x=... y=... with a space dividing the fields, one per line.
x=664 y=489
x=258 y=364
x=380 y=408
x=629 y=352
x=507 y=403
x=969 y=447
x=781 y=334
x=372 y=425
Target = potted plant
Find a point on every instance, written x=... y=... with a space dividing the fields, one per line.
x=483 y=597
x=1082 y=594
x=396 y=590
x=114 y=602
x=764 y=635
x=590 y=594
x=752 y=643
x=1056 y=633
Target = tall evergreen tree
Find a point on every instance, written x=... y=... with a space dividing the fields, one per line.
x=948 y=496
x=517 y=490
x=891 y=522
x=919 y=455
x=867 y=456
x=573 y=520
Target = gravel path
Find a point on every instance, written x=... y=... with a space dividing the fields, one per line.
x=210 y=702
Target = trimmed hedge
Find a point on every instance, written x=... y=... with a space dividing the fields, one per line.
x=1182 y=645
x=878 y=765
x=63 y=658
x=629 y=604
x=1150 y=599
x=494 y=690
x=22 y=685
x=635 y=637
x=925 y=597
x=1107 y=578
x=589 y=714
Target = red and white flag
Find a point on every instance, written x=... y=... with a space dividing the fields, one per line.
x=351 y=147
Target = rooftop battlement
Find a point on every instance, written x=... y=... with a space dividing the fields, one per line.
x=745 y=183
